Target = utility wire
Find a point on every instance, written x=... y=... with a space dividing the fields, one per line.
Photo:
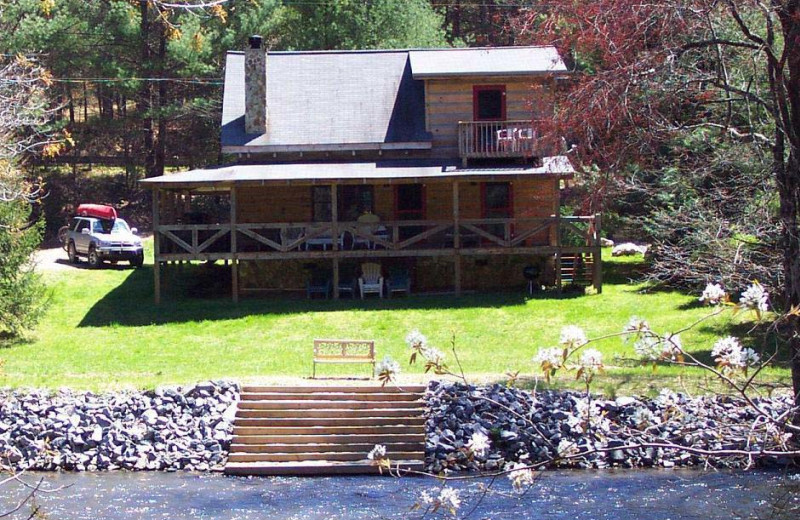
x=198 y=81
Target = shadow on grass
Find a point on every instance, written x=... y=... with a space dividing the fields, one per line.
x=202 y=293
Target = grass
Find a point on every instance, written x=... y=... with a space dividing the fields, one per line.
x=102 y=331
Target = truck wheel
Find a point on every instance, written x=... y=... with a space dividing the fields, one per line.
x=137 y=260
x=94 y=258
x=72 y=255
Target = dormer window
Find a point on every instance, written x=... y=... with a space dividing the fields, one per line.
x=489 y=102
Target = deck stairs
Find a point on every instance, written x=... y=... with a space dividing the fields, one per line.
x=326 y=430
x=577 y=269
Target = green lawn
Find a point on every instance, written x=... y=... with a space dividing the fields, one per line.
x=103 y=331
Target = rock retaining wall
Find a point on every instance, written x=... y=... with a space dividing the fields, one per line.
x=191 y=428
x=168 y=429
x=526 y=428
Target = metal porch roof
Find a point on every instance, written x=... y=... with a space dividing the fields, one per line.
x=321 y=172
x=498 y=61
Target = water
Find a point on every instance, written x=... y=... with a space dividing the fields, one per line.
x=568 y=495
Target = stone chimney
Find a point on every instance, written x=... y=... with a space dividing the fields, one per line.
x=255 y=87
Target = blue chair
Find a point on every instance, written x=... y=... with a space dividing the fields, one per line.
x=398 y=281
x=320 y=283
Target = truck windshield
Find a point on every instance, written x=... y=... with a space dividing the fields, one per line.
x=120 y=226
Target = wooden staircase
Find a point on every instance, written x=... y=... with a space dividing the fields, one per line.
x=577 y=269
x=326 y=430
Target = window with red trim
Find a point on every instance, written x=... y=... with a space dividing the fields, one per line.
x=489 y=102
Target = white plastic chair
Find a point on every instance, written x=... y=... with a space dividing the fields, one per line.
x=371 y=279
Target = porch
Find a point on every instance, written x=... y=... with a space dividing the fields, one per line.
x=460 y=224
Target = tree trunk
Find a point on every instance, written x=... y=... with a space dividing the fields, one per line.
x=788 y=175
x=146 y=94
x=161 y=142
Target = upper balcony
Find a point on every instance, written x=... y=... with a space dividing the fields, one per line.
x=496 y=139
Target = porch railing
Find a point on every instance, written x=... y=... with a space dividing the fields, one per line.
x=496 y=139
x=207 y=241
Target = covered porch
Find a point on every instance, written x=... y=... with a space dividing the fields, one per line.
x=445 y=223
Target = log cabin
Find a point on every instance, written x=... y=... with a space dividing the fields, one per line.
x=425 y=161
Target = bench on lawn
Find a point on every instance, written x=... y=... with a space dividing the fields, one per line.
x=344 y=351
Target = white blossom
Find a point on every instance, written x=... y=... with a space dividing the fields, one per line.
x=572 y=337
x=636 y=327
x=520 y=475
x=648 y=347
x=448 y=497
x=415 y=339
x=591 y=360
x=553 y=356
x=651 y=347
x=728 y=352
x=754 y=298
x=388 y=368
x=425 y=498
x=588 y=415
x=795 y=477
x=377 y=453
x=478 y=444
x=713 y=294
x=567 y=448
x=432 y=354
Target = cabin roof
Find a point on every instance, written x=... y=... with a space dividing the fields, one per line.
x=499 y=61
x=318 y=98
x=360 y=97
x=558 y=166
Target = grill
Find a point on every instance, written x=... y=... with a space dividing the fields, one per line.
x=531 y=273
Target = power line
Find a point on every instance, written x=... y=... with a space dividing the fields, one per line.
x=197 y=81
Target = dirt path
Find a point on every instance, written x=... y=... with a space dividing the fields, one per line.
x=51 y=259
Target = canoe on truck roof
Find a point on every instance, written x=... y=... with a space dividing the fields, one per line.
x=97 y=211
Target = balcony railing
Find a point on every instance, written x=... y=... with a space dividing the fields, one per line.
x=407 y=237
x=496 y=139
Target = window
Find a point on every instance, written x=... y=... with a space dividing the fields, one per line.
x=354 y=201
x=321 y=211
x=489 y=102
x=409 y=204
x=496 y=202
x=78 y=224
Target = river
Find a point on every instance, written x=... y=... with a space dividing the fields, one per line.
x=568 y=495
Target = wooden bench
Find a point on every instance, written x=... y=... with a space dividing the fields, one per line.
x=343 y=351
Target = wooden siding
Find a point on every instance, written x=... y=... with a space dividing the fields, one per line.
x=274 y=204
x=531 y=198
x=536 y=198
x=449 y=101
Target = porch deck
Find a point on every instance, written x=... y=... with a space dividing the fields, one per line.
x=553 y=236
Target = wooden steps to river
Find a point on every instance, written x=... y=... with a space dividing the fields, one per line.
x=326 y=430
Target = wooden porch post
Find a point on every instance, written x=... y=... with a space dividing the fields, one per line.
x=234 y=249
x=335 y=238
x=597 y=262
x=156 y=247
x=558 y=246
x=456 y=240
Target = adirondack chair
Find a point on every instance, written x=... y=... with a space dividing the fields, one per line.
x=348 y=280
x=320 y=283
x=371 y=279
x=398 y=281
